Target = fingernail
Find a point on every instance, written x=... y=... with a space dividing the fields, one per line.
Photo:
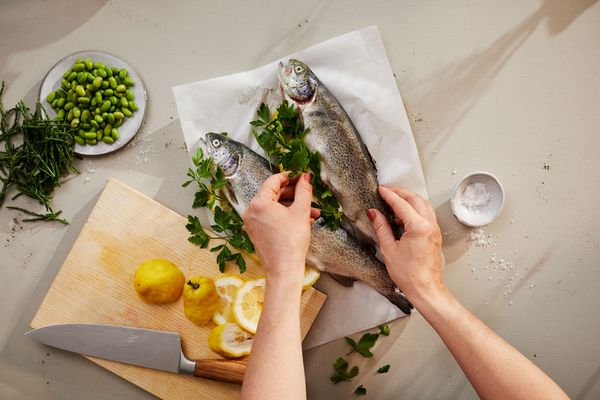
x=307 y=177
x=371 y=214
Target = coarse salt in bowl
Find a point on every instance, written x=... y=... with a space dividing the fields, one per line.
x=477 y=199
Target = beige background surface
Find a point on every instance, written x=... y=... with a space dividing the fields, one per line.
x=510 y=87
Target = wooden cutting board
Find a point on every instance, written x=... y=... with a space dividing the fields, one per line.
x=95 y=285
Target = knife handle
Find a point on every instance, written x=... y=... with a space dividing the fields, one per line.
x=222 y=370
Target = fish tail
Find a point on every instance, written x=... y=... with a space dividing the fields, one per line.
x=400 y=301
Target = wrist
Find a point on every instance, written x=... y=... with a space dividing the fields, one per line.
x=288 y=275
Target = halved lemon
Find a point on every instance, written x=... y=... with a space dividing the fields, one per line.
x=229 y=340
x=227 y=287
x=248 y=302
x=311 y=276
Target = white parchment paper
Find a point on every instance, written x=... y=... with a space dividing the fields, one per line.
x=356 y=70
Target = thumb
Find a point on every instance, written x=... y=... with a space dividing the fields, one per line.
x=382 y=228
x=303 y=194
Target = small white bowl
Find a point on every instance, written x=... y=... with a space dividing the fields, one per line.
x=477 y=199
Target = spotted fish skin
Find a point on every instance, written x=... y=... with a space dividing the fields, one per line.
x=347 y=168
x=335 y=252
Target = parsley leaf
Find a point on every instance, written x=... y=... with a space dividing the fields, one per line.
x=384 y=369
x=384 y=330
x=360 y=391
x=341 y=371
x=282 y=138
x=364 y=345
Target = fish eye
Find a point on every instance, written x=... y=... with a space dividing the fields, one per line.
x=298 y=69
x=216 y=142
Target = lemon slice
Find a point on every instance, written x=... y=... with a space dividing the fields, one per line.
x=248 y=302
x=311 y=276
x=229 y=340
x=227 y=287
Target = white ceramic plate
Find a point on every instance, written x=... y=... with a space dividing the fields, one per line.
x=131 y=125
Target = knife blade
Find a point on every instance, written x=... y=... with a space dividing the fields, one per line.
x=137 y=346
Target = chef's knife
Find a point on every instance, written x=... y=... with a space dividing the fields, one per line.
x=143 y=347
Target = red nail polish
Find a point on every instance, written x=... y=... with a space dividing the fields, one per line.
x=307 y=177
x=371 y=214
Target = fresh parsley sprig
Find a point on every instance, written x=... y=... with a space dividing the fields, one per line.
x=342 y=373
x=384 y=369
x=360 y=391
x=282 y=138
x=211 y=180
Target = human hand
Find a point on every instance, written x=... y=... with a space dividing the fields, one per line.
x=413 y=261
x=279 y=227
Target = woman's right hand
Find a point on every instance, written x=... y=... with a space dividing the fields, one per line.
x=413 y=261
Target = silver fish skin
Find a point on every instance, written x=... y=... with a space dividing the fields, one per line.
x=347 y=168
x=334 y=252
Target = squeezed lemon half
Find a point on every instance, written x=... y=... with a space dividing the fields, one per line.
x=229 y=340
x=227 y=287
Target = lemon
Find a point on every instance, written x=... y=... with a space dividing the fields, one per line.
x=311 y=276
x=200 y=299
x=247 y=305
x=230 y=341
x=227 y=286
x=158 y=281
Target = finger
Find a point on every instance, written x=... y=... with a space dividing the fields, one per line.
x=315 y=213
x=422 y=206
x=403 y=210
x=303 y=196
x=272 y=187
x=382 y=228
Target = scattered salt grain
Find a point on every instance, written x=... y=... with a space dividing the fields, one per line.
x=479 y=238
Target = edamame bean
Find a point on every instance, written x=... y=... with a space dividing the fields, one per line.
x=99 y=135
x=133 y=106
x=108 y=140
x=94 y=124
x=108 y=92
x=61 y=102
x=72 y=76
x=60 y=115
x=126 y=112
x=85 y=115
x=128 y=81
x=70 y=115
x=88 y=64
x=69 y=106
x=111 y=118
x=106 y=105
x=107 y=129
x=98 y=65
x=76 y=112
x=112 y=82
x=121 y=88
x=118 y=115
x=78 y=67
x=98 y=97
x=50 y=98
x=75 y=122
x=98 y=119
x=79 y=140
x=124 y=102
x=118 y=123
x=83 y=99
x=129 y=95
x=102 y=73
x=114 y=133
x=90 y=135
x=82 y=77
x=122 y=73
x=91 y=142
x=80 y=90
x=113 y=100
x=97 y=82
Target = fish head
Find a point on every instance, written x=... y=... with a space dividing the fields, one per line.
x=296 y=81
x=225 y=153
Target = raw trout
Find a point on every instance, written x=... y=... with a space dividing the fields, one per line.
x=347 y=168
x=334 y=252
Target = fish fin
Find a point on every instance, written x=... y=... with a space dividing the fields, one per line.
x=231 y=195
x=399 y=300
x=342 y=280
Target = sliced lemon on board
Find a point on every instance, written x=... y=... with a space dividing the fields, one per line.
x=230 y=341
x=227 y=287
x=311 y=276
x=248 y=302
